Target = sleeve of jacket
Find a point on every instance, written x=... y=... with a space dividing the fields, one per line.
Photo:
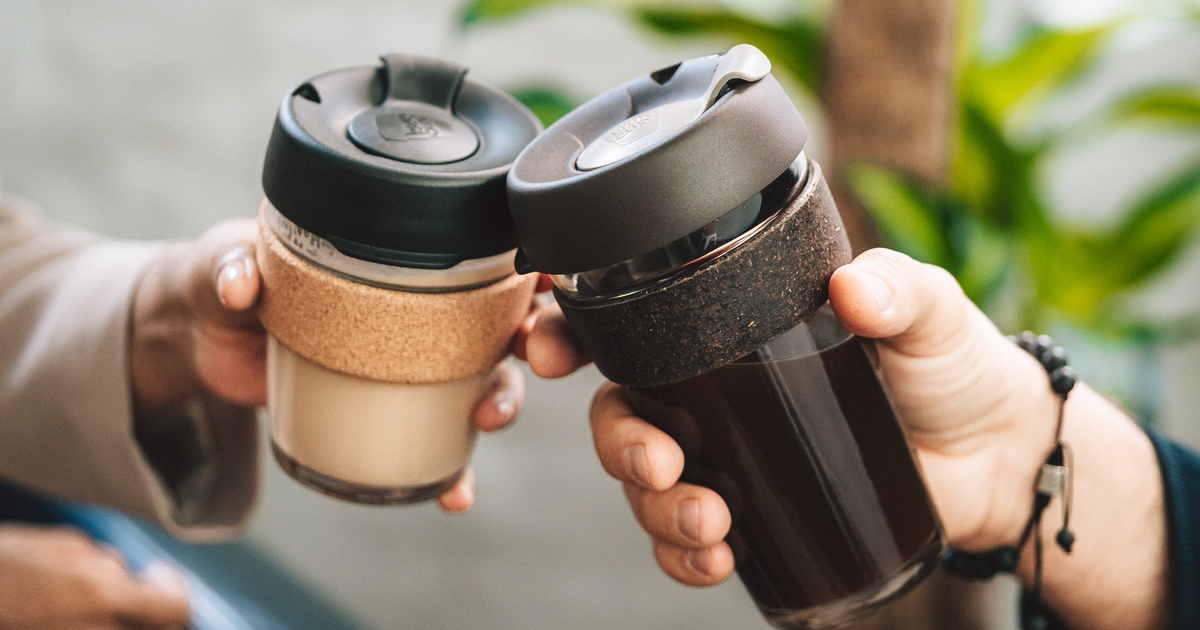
x=1181 y=488
x=66 y=420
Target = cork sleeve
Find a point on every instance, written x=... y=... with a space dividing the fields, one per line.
x=384 y=334
x=700 y=321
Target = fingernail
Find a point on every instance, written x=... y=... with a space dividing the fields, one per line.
x=687 y=518
x=635 y=464
x=699 y=560
x=164 y=577
x=883 y=297
x=231 y=266
x=506 y=403
x=228 y=272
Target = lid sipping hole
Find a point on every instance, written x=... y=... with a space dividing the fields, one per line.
x=378 y=88
x=307 y=92
x=662 y=76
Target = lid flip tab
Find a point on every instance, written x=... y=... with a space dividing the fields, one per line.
x=401 y=163
x=647 y=129
x=416 y=123
x=651 y=161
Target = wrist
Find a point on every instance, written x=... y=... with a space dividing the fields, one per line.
x=1020 y=435
x=1117 y=574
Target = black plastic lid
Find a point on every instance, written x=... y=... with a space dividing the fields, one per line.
x=651 y=161
x=401 y=164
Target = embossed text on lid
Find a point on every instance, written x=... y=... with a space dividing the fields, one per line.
x=424 y=131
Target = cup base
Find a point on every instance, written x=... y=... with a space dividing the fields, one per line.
x=361 y=493
x=865 y=602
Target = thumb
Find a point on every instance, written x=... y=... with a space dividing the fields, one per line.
x=915 y=308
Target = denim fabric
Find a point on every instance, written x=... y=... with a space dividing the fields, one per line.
x=233 y=586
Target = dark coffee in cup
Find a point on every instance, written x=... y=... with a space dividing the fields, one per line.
x=799 y=439
x=691 y=243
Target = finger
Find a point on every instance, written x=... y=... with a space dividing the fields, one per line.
x=225 y=282
x=503 y=401
x=230 y=346
x=521 y=338
x=157 y=598
x=695 y=567
x=685 y=515
x=63 y=537
x=232 y=362
x=111 y=552
x=238 y=281
x=919 y=309
x=461 y=497
x=539 y=301
x=630 y=449
x=552 y=349
x=165 y=578
x=169 y=580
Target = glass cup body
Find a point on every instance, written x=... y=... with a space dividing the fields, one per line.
x=363 y=440
x=831 y=519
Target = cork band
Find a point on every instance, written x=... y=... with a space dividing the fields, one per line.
x=381 y=334
x=724 y=310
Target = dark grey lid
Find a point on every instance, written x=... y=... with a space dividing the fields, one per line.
x=402 y=164
x=651 y=161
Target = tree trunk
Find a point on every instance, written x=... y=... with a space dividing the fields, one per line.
x=888 y=94
x=889 y=100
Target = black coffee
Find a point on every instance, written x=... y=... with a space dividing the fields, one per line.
x=825 y=497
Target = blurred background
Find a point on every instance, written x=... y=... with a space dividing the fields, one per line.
x=1045 y=151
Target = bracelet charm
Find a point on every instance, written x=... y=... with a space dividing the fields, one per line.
x=1053 y=480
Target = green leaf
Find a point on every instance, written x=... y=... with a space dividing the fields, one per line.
x=933 y=228
x=993 y=176
x=1043 y=62
x=480 y=11
x=1155 y=232
x=982 y=256
x=795 y=45
x=546 y=103
x=907 y=216
x=1174 y=331
x=1085 y=272
x=1168 y=106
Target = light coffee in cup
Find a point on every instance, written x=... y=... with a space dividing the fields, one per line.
x=389 y=293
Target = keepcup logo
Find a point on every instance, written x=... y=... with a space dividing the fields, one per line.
x=637 y=127
x=407 y=126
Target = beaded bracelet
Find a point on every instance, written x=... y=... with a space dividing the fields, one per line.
x=1054 y=480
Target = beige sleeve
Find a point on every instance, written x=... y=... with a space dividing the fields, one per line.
x=66 y=425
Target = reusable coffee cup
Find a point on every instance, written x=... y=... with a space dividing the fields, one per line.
x=389 y=294
x=691 y=244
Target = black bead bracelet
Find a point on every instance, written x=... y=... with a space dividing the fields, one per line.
x=1053 y=480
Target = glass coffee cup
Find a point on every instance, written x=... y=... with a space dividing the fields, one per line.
x=389 y=294
x=691 y=244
